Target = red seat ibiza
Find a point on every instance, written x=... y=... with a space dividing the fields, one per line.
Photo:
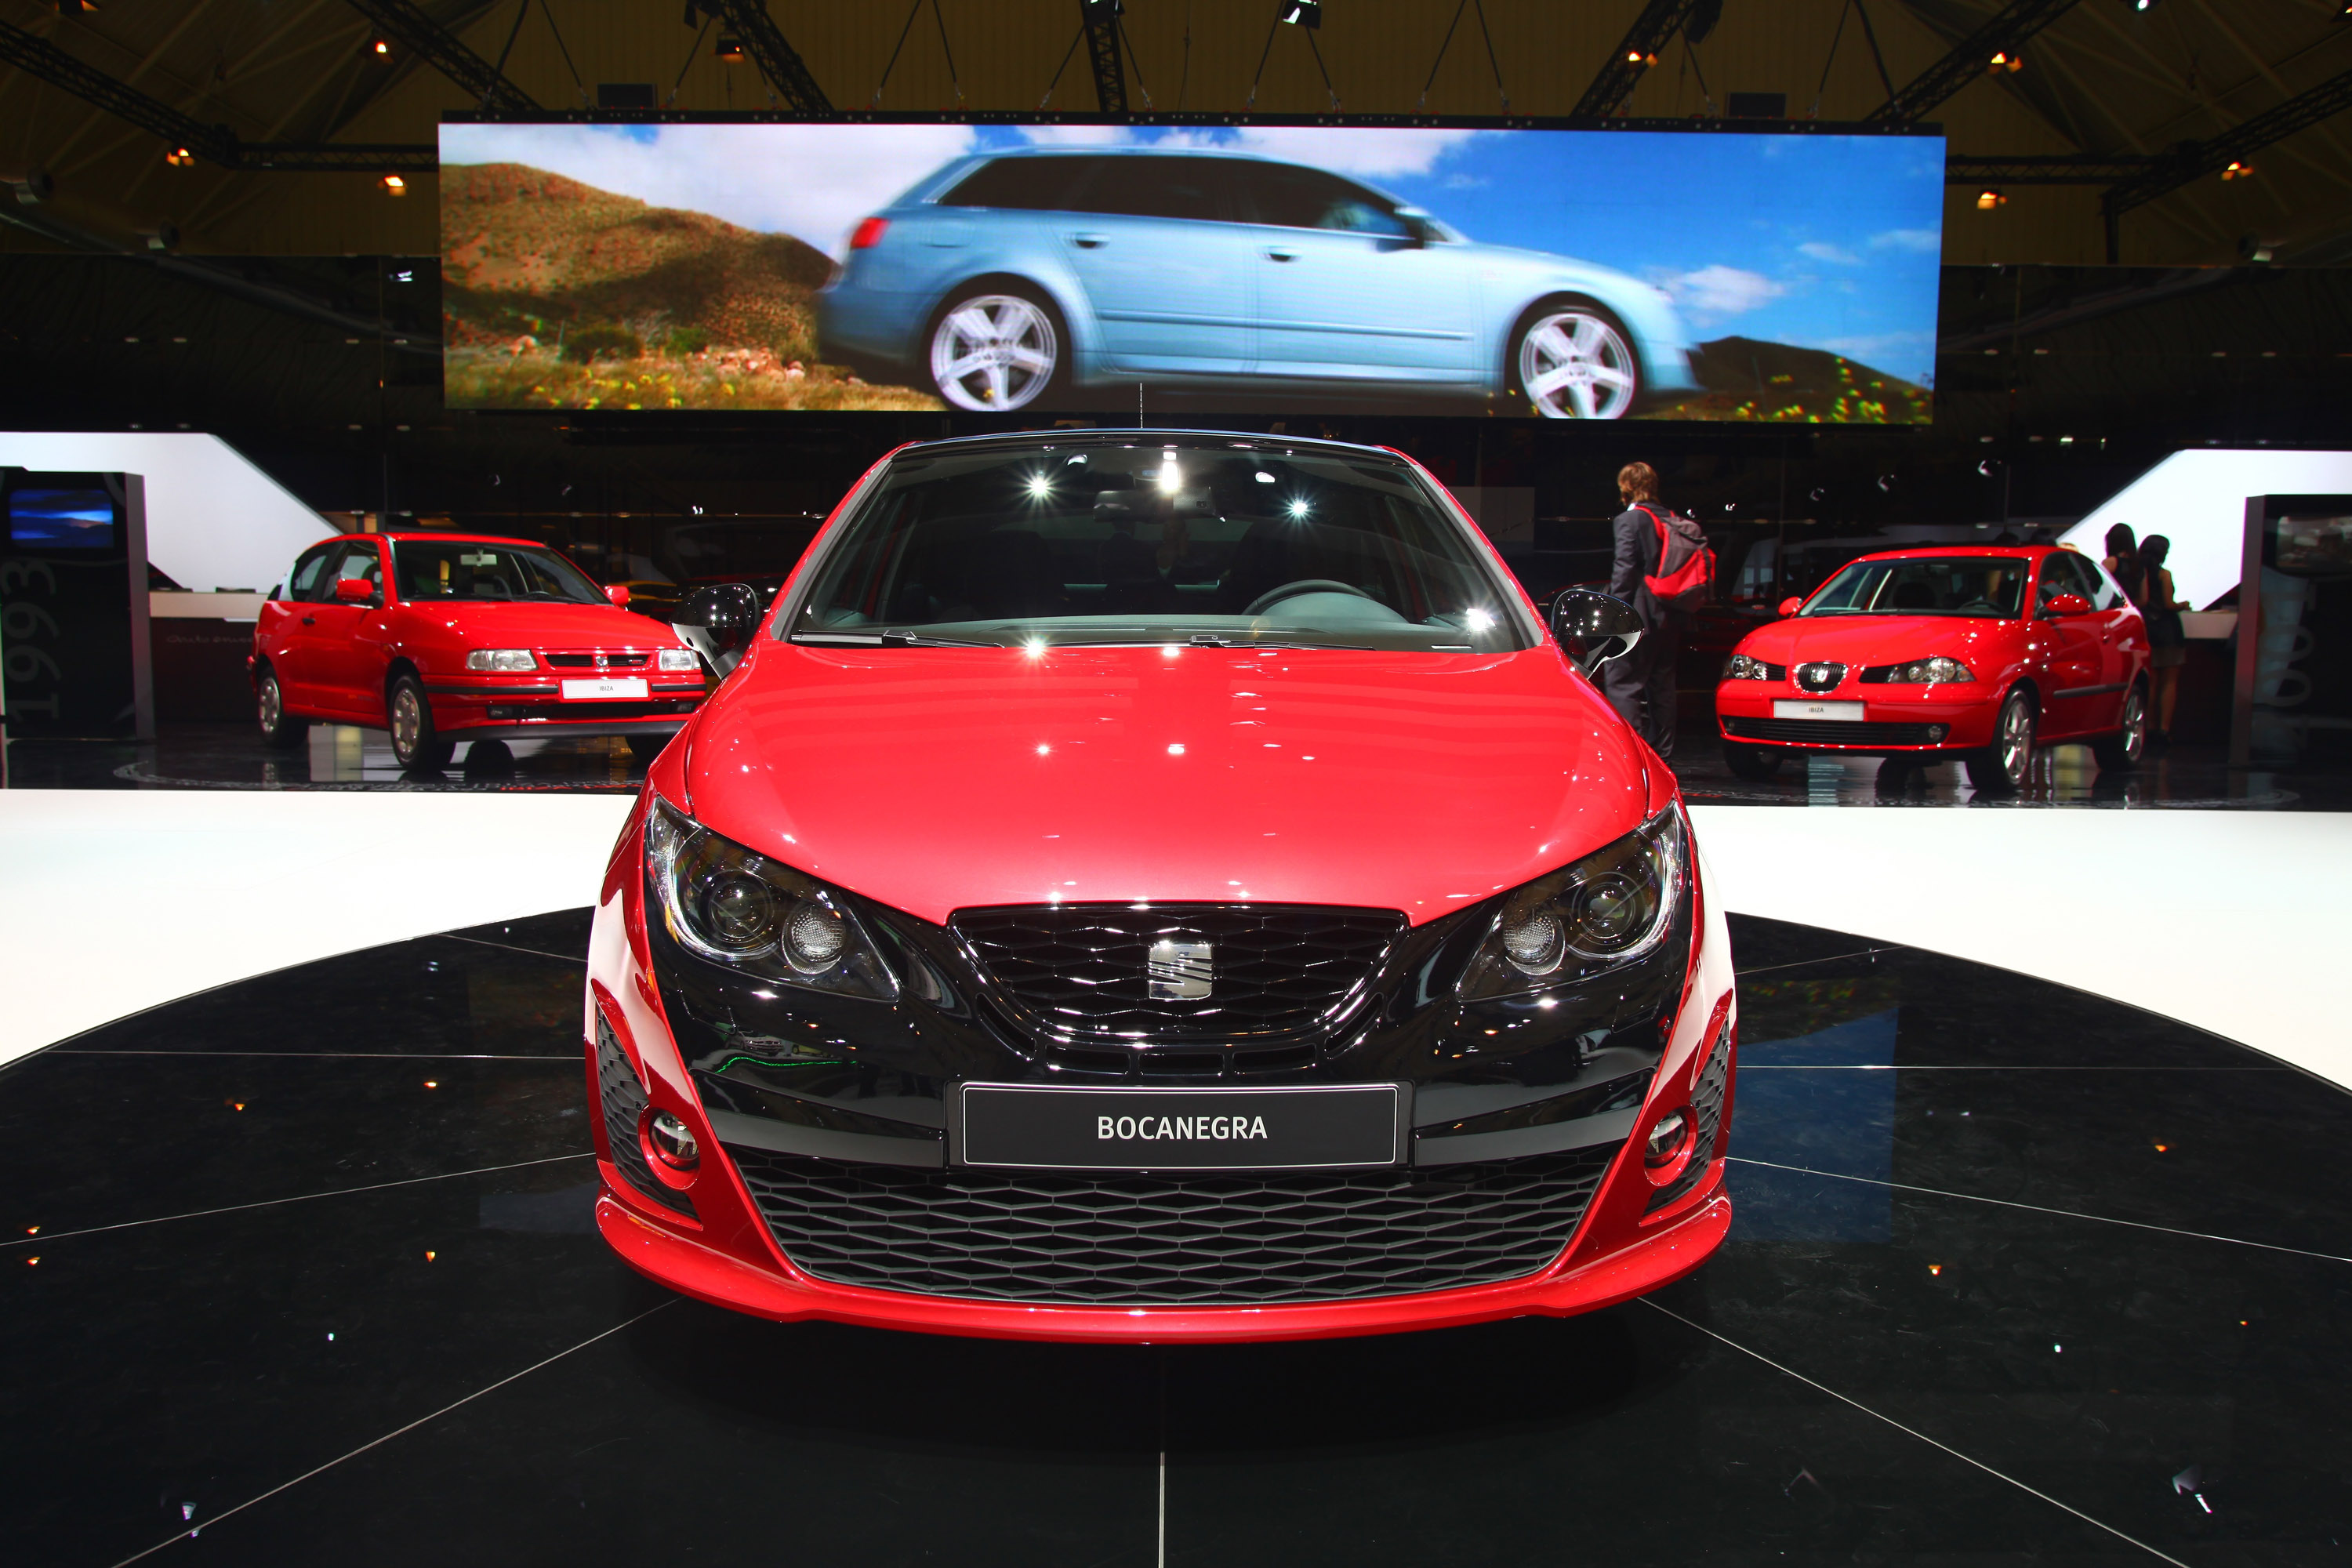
x=478 y=639
x=1142 y=887
x=1967 y=653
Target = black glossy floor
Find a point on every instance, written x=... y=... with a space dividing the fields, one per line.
x=338 y=757
x=299 y=1271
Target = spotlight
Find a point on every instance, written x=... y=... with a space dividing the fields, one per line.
x=76 y=7
x=32 y=187
x=1639 y=61
x=180 y=158
x=379 y=48
x=2252 y=247
x=394 y=186
x=1303 y=13
x=2005 y=61
x=1989 y=198
x=2238 y=169
x=2143 y=4
x=162 y=236
x=730 y=49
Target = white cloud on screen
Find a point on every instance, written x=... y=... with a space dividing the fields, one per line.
x=1714 y=292
x=1919 y=239
x=1822 y=250
x=799 y=180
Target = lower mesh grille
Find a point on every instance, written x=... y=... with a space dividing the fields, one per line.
x=1706 y=1110
x=1832 y=733
x=1134 y=1241
x=624 y=1100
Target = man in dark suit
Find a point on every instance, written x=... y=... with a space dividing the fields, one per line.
x=1641 y=686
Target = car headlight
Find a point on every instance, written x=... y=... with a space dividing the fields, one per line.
x=507 y=659
x=1613 y=906
x=734 y=906
x=1938 y=670
x=1739 y=667
x=682 y=658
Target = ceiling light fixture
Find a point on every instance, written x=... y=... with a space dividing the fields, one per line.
x=730 y=49
x=180 y=158
x=2238 y=169
x=1989 y=198
x=1303 y=13
x=2005 y=61
x=394 y=186
x=379 y=49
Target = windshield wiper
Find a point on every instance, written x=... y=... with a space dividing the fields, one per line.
x=1211 y=639
x=892 y=638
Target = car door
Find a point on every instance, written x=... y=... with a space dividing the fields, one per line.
x=1155 y=246
x=1348 y=289
x=283 y=633
x=344 y=666
x=2074 y=697
x=2122 y=641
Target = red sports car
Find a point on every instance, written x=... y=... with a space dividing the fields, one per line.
x=1974 y=653
x=1145 y=887
x=478 y=639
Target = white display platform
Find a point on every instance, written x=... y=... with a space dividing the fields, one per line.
x=112 y=902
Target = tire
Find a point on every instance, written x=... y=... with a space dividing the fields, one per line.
x=2121 y=752
x=280 y=731
x=2003 y=767
x=409 y=716
x=646 y=748
x=1564 y=349
x=995 y=346
x=1753 y=764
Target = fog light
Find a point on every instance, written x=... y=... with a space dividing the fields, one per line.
x=1667 y=1136
x=671 y=1142
x=1936 y=731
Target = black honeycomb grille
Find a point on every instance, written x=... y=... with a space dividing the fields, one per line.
x=1208 y=1240
x=624 y=1100
x=1707 y=1111
x=1077 y=970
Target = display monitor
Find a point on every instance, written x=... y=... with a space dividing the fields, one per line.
x=41 y=519
x=1753 y=274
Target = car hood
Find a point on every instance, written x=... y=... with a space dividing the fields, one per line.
x=933 y=779
x=492 y=624
x=1874 y=639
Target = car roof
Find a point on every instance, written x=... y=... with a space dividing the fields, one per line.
x=1114 y=436
x=449 y=535
x=1121 y=150
x=1916 y=551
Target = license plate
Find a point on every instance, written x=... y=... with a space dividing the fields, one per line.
x=1072 y=1129
x=1798 y=707
x=618 y=686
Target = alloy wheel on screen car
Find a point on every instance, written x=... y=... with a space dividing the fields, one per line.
x=993 y=352
x=1574 y=363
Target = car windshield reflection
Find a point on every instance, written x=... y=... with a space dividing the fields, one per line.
x=1212 y=544
x=473 y=571
x=1980 y=586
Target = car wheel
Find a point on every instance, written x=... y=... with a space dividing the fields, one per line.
x=1572 y=359
x=1753 y=763
x=2121 y=752
x=996 y=347
x=409 y=717
x=2003 y=767
x=280 y=731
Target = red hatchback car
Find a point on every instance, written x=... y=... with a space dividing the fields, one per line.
x=478 y=639
x=1152 y=887
x=1967 y=653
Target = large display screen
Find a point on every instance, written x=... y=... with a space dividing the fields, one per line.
x=61 y=520
x=1772 y=276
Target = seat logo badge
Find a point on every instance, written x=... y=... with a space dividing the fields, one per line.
x=1178 y=971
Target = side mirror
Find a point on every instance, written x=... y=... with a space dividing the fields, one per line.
x=1582 y=616
x=1790 y=605
x=719 y=620
x=2067 y=604
x=619 y=594
x=354 y=591
x=1416 y=225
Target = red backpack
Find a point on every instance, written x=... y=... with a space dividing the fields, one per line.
x=1685 y=564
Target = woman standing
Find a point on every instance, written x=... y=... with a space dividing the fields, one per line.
x=2169 y=644
x=2122 y=560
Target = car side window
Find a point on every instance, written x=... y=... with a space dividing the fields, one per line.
x=358 y=559
x=302 y=582
x=2105 y=592
x=1157 y=186
x=1287 y=196
x=2061 y=573
x=1020 y=185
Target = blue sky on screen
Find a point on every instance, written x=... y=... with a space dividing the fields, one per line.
x=1826 y=242
x=62 y=517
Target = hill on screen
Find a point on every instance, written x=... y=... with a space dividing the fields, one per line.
x=1748 y=378
x=521 y=247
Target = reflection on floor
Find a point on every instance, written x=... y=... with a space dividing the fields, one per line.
x=2017 y=1275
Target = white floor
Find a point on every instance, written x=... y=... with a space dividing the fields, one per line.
x=112 y=902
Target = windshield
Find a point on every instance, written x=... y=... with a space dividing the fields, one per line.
x=465 y=569
x=1204 y=541
x=1987 y=586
